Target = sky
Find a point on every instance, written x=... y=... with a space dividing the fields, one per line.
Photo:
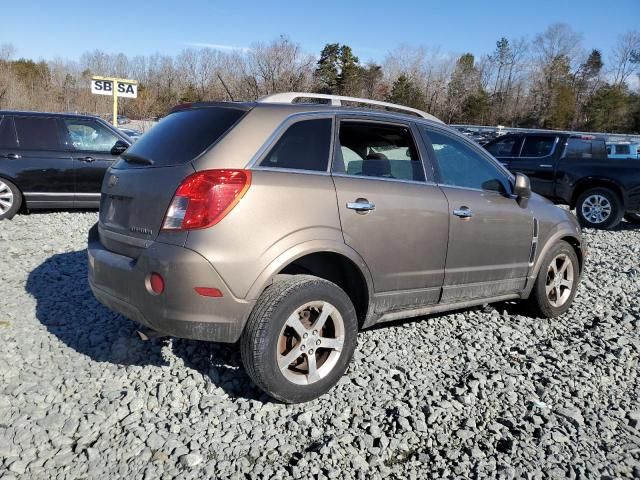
x=66 y=29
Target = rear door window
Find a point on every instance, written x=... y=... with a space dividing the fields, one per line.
x=7 y=133
x=372 y=149
x=182 y=136
x=38 y=133
x=538 y=146
x=304 y=146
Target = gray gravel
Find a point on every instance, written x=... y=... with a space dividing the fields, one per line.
x=480 y=393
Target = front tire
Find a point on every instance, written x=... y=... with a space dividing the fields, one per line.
x=599 y=208
x=10 y=199
x=557 y=282
x=299 y=338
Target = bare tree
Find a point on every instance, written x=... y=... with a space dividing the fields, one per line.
x=625 y=57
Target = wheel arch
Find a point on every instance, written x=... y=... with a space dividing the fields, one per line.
x=596 y=182
x=562 y=234
x=332 y=261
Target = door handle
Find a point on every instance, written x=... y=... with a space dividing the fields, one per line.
x=87 y=159
x=463 y=212
x=361 y=205
x=546 y=165
x=12 y=156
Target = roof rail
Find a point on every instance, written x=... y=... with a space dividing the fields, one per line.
x=336 y=100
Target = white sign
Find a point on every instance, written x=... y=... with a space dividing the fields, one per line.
x=105 y=87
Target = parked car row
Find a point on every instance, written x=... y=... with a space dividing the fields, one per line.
x=289 y=226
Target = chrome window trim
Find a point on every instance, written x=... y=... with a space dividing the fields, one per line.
x=362 y=117
x=384 y=179
x=291 y=170
x=471 y=189
x=288 y=121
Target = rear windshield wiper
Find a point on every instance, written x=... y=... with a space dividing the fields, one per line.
x=133 y=158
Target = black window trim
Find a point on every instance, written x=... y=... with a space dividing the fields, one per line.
x=553 y=148
x=360 y=117
x=256 y=162
x=477 y=148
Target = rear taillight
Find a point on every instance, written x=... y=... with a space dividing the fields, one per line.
x=205 y=198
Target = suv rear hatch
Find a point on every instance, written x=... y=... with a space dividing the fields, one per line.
x=137 y=190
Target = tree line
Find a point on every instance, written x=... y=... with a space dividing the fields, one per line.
x=549 y=81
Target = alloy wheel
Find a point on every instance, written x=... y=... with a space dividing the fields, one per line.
x=596 y=208
x=310 y=343
x=6 y=198
x=560 y=280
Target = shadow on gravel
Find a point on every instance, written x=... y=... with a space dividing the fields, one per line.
x=67 y=308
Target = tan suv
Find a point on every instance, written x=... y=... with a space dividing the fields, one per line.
x=291 y=226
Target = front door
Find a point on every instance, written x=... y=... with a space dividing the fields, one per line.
x=391 y=215
x=490 y=235
x=90 y=145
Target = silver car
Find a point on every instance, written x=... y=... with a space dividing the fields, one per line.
x=291 y=226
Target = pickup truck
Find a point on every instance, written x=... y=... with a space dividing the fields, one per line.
x=574 y=170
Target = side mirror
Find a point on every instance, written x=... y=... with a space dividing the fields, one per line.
x=119 y=147
x=522 y=190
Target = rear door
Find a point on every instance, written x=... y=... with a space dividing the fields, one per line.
x=46 y=168
x=537 y=161
x=490 y=235
x=90 y=143
x=393 y=215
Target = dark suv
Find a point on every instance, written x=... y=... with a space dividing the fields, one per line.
x=574 y=170
x=50 y=160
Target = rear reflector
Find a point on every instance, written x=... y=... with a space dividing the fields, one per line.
x=208 y=292
x=156 y=282
x=205 y=198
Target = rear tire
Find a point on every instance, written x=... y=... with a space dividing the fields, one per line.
x=10 y=199
x=632 y=217
x=599 y=208
x=557 y=282
x=299 y=338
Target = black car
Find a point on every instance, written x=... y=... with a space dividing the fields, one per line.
x=574 y=170
x=53 y=160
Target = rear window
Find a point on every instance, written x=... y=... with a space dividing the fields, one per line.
x=579 y=148
x=7 y=133
x=38 y=133
x=181 y=136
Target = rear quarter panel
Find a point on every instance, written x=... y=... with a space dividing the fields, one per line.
x=282 y=216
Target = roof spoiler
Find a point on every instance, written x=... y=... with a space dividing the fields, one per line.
x=336 y=100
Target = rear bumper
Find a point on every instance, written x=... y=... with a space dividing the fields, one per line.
x=120 y=283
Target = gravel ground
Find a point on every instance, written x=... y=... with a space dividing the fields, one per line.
x=480 y=393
